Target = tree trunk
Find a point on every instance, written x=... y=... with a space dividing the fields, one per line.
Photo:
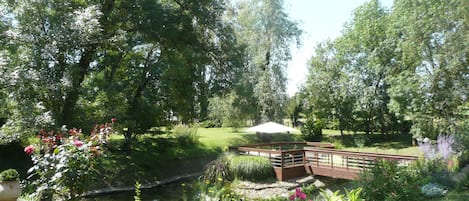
x=73 y=92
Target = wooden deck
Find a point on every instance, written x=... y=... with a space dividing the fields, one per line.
x=296 y=159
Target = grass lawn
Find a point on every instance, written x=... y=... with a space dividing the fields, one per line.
x=224 y=137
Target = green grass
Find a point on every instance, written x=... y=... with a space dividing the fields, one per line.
x=252 y=168
x=224 y=137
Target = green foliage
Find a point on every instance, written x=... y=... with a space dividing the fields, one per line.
x=462 y=179
x=312 y=129
x=219 y=169
x=294 y=108
x=309 y=189
x=394 y=182
x=9 y=175
x=331 y=196
x=138 y=193
x=354 y=194
x=186 y=135
x=360 y=140
x=252 y=168
x=395 y=70
x=337 y=144
x=96 y=68
x=224 y=111
x=64 y=164
x=218 y=190
x=267 y=32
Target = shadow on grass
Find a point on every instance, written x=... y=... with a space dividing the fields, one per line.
x=151 y=159
x=264 y=138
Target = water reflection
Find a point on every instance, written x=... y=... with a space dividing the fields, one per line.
x=168 y=192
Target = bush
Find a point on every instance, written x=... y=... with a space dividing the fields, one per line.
x=443 y=178
x=219 y=169
x=433 y=190
x=388 y=181
x=253 y=168
x=360 y=140
x=312 y=130
x=462 y=179
x=9 y=175
x=337 y=144
x=186 y=135
x=64 y=163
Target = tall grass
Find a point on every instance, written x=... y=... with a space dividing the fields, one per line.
x=219 y=169
x=252 y=168
x=186 y=135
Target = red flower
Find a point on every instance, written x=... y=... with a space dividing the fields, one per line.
x=292 y=197
x=78 y=143
x=113 y=120
x=29 y=149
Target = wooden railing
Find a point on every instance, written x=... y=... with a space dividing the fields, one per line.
x=345 y=164
x=281 y=154
x=294 y=159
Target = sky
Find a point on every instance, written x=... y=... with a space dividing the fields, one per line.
x=320 y=20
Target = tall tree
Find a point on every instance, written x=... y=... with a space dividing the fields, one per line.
x=81 y=62
x=53 y=48
x=268 y=32
x=369 y=54
x=430 y=81
x=329 y=87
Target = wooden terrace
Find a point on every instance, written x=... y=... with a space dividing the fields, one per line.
x=297 y=159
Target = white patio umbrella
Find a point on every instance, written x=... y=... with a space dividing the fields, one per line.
x=270 y=127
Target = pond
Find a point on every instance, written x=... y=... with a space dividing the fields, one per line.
x=168 y=192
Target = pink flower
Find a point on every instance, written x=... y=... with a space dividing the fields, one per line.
x=302 y=196
x=292 y=197
x=29 y=149
x=78 y=143
x=113 y=120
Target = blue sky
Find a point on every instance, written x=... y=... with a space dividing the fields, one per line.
x=320 y=20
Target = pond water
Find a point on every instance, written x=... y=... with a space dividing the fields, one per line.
x=169 y=192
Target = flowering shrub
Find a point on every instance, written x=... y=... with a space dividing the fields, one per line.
x=443 y=148
x=298 y=195
x=64 y=163
x=433 y=190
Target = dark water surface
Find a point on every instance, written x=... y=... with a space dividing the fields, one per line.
x=169 y=192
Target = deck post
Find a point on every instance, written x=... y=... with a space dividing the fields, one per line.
x=281 y=159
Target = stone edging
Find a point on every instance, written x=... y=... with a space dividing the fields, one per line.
x=144 y=186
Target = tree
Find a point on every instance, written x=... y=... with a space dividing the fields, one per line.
x=223 y=111
x=329 y=87
x=369 y=54
x=141 y=61
x=52 y=49
x=294 y=107
x=430 y=78
x=267 y=32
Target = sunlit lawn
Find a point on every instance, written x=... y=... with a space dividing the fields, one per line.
x=224 y=137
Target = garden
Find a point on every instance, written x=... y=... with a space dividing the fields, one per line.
x=75 y=163
x=149 y=98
